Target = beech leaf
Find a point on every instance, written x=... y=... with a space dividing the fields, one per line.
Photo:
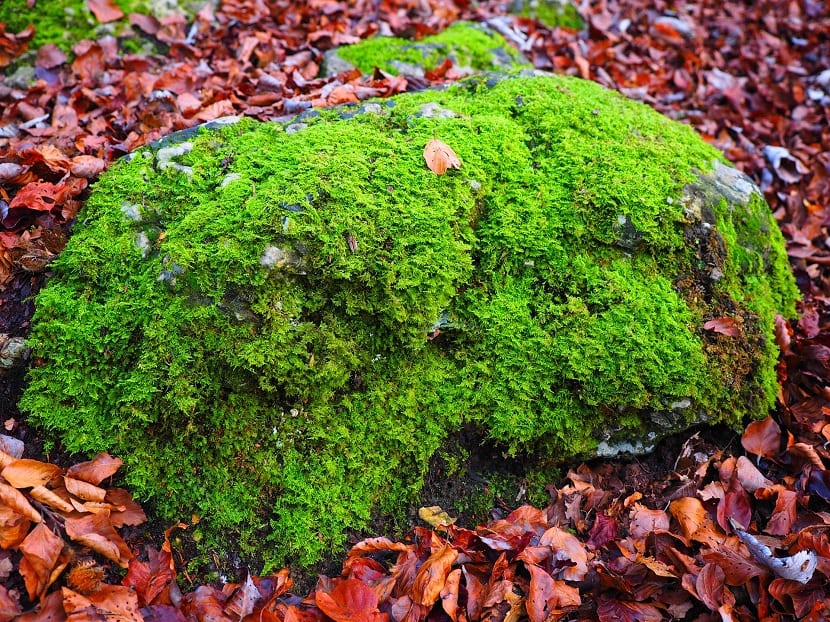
x=433 y=574
x=26 y=473
x=439 y=157
x=96 y=470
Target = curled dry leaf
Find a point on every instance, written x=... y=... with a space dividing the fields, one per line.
x=439 y=157
x=432 y=575
x=14 y=499
x=13 y=527
x=110 y=602
x=26 y=473
x=96 y=532
x=84 y=490
x=799 y=567
x=96 y=470
x=567 y=546
x=41 y=550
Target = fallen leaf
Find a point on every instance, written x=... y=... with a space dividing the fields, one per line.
x=96 y=470
x=432 y=575
x=13 y=527
x=41 y=550
x=449 y=594
x=14 y=499
x=114 y=603
x=350 y=601
x=724 y=325
x=439 y=157
x=96 y=532
x=567 y=546
x=84 y=490
x=105 y=10
x=26 y=473
x=763 y=438
x=435 y=516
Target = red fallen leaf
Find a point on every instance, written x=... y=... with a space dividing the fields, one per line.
x=613 y=610
x=12 y=45
x=89 y=62
x=132 y=514
x=603 y=531
x=784 y=515
x=151 y=579
x=724 y=325
x=242 y=602
x=50 y=610
x=710 y=587
x=645 y=521
x=50 y=56
x=449 y=595
x=110 y=602
x=547 y=594
x=735 y=505
x=567 y=546
x=350 y=601
x=342 y=94
x=13 y=527
x=218 y=109
x=105 y=10
x=738 y=570
x=147 y=23
x=44 y=196
x=9 y=606
x=26 y=473
x=475 y=593
x=188 y=103
x=41 y=550
x=96 y=532
x=403 y=609
x=439 y=157
x=763 y=438
x=802 y=598
x=432 y=575
x=749 y=475
x=96 y=470
x=206 y=603
x=87 y=166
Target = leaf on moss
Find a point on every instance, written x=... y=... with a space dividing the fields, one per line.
x=105 y=10
x=439 y=157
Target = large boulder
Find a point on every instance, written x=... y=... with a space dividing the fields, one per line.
x=276 y=329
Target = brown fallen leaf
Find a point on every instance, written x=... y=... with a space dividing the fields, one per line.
x=41 y=550
x=105 y=10
x=110 y=602
x=16 y=500
x=84 y=490
x=96 y=532
x=13 y=527
x=350 y=601
x=26 y=473
x=432 y=575
x=96 y=470
x=439 y=157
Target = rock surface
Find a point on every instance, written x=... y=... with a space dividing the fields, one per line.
x=277 y=330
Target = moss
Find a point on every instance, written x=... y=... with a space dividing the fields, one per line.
x=466 y=44
x=280 y=333
x=66 y=22
x=551 y=13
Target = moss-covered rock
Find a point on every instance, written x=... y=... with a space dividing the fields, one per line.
x=66 y=22
x=277 y=330
x=551 y=13
x=469 y=46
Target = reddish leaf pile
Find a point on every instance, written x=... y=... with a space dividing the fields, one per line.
x=721 y=538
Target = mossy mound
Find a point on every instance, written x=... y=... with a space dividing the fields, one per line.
x=469 y=46
x=66 y=22
x=276 y=330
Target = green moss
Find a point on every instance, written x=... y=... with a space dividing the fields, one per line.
x=551 y=13
x=466 y=44
x=66 y=22
x=256 y=334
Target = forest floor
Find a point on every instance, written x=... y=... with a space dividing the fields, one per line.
x=712 y=525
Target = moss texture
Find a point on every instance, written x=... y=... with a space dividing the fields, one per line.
x=252 y=324
x=551 y=13
x=468 y=45
x=66 y=22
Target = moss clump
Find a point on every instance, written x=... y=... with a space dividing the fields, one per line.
x=276 y=331
x=468 y=45
x=66 y=22
x=551 y=13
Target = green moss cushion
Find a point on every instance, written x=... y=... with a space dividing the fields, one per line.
x=277 y=327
